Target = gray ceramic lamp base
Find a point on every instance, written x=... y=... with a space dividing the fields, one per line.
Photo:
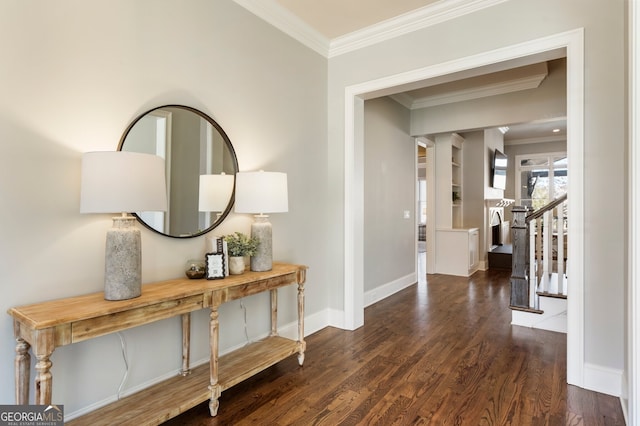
x=263 y=259
x=123 y=260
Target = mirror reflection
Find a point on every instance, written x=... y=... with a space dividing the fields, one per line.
x=193 y=145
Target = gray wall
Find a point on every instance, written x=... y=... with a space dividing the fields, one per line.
x=389 y=183
x=72 y=76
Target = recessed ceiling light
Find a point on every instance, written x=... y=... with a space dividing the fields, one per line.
x=556 y=130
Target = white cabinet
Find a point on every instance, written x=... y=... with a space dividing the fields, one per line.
x=457 y=251
x=474 y=249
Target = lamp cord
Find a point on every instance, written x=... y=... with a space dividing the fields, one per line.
x=123 y=346
x=246 y=331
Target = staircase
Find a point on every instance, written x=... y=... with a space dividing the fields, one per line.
x=538 y=273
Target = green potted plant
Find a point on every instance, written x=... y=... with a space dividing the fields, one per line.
x=239 y=245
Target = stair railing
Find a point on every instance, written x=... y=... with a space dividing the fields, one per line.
x=539 y=253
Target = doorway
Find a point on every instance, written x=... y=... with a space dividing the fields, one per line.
x=571 y=44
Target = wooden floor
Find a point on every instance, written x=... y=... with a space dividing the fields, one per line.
x=440 y=352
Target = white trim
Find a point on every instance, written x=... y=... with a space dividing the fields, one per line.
x=572 y=41
x=484 y=91
x=280 y=17
x=424 y=17
x=386 y=290
x=632 y=406
x=603 y=379
x=575 y=208
x=542 y=139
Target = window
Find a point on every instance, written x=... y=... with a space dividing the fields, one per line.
x=541 y=178
x=422 y=201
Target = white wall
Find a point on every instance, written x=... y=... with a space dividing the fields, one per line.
x=73 y=75
x=390 y=182
x=475 y=169
x=505 y=25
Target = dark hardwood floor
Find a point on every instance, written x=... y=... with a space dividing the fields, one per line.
x=437 y=353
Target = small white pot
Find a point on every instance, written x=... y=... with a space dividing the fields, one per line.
x=236 y=265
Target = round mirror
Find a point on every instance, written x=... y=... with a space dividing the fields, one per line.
x=193 y=145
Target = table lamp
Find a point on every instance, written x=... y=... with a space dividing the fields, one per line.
x=215 y=192
x=120 y=181
x=261 y=192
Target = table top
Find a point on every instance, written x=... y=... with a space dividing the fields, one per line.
x=62 y=311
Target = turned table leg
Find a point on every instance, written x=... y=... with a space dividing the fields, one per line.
x=43 y=379
x=186 y=344
x=23 y=369
x=214 y=337
x=274 y=312
x=42 y=348
x=301 y=320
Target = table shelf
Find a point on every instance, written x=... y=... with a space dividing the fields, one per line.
x=169 y=398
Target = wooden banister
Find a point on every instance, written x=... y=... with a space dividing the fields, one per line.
x=532 y=261
x=542 y=210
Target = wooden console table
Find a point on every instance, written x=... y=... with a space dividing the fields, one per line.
x=45 y=326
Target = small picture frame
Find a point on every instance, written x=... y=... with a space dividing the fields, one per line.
x=214 y=266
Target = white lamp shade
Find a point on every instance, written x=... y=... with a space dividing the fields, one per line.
x=122 y=182
x=261 y=192
x=215 y=192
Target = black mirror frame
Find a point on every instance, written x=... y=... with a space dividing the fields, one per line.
x=232 y=152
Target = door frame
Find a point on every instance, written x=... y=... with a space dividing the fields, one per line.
x=572 y=42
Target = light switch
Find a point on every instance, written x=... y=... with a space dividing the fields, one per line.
x=407 y=214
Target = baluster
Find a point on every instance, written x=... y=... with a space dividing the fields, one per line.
x=533 y=266
x=547 y=256
x=561 y=244
x=539 y=252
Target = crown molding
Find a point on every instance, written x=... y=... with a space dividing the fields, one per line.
x=537 y=73
x=424 y=17
x=487 y=90
x=278 y=16
x=403 y=99
x=542 y=139
x=444 y=10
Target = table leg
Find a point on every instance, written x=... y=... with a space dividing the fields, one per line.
x=42 y=347
x=301 y=322
x=23 y=370
x=274 y=312
x=43 y=379
x=214 y=337
x=186 y=344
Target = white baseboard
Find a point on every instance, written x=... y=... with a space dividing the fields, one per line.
x=482 y=266
x=312 y=323
x=336 y=317
x=603 y=379
x=386 y=290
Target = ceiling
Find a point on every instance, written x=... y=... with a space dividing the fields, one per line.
x=334 y=20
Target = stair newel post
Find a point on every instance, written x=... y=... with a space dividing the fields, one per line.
x=519 y=272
